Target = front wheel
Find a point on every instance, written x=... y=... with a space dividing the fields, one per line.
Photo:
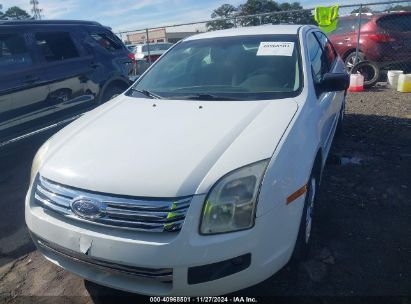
x=303 y=243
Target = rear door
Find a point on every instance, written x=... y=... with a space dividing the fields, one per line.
x=107 y=46
x=344 y=37
x=23 y=87
x=397 y=27
x=68 y=69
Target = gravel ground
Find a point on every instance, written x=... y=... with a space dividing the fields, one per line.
x=361 y=237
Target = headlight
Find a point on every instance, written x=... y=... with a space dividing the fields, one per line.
x=38 y=159
x=230 y=204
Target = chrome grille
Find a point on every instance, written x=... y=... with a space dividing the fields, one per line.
x=144 y=214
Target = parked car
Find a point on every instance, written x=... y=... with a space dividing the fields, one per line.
x=155 y=50
x=385 y=38
x=132 y=48
x=201 y=178
x=51 y=71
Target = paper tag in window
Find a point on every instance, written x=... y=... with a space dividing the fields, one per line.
x=275 y=49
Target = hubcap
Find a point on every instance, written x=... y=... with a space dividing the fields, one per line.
x=350 y=63
x=310 y=207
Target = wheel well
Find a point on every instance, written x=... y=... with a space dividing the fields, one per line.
x=113 y=84
x=118 y=83
x=350 y=52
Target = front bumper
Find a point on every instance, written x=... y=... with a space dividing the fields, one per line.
x=159 y=263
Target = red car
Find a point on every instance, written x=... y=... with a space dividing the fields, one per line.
x=385 y=39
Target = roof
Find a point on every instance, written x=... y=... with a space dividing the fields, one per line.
x=252 y=30
x=47 y=22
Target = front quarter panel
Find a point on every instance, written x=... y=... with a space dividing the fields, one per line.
x=292 y=161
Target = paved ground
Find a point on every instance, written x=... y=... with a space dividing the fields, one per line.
x=362 y=243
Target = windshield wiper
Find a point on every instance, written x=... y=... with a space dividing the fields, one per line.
x=200 y=96
x=148 y=93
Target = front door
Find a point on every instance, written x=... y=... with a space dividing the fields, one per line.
x=23 y=88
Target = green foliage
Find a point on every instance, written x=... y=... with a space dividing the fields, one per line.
x=15 y=13
x=364 y=9
x=253 y=7
x=224 y=11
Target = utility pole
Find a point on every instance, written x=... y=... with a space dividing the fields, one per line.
x=35 y=9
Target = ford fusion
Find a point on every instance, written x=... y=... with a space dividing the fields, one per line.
x=201 y=178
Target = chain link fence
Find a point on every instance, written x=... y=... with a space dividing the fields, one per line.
x=379 y=32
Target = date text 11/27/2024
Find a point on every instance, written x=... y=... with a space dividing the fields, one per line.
x=203 y=300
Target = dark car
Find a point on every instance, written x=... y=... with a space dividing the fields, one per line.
x=52 y=71
x=385 y=38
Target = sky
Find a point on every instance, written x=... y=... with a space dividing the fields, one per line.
x=122 y=15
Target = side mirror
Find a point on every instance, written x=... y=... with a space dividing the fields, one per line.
x=332 y=82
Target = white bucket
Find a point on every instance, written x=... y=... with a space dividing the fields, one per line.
x=393 y=77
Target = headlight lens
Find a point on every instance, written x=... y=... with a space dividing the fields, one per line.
x=38 y=159
x=230 y=204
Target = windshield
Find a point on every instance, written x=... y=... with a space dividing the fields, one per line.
x=238 y=68
x=156 y=47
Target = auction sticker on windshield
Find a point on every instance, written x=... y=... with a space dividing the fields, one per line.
x=275 y=48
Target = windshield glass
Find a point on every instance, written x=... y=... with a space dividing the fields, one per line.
x=239 y=68
x=156 y=47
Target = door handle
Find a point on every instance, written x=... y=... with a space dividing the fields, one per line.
x=30 y=78
x=347 y=39
x=94 y=65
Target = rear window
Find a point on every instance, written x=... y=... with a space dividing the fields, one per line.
x=348 y=25
x=56 y=46
x=400 y=23
x=107 y=41
x=13 y=52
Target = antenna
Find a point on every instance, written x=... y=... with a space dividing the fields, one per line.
x=35 y=9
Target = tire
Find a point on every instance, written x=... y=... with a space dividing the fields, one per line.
x=350 y=60
x=303 y=243
x=110 y=93
x=369 y=70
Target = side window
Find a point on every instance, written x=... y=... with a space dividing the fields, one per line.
x=328 y=48
x=107 y=41
x=318 y=60
x=56 y=46
x=13 y=52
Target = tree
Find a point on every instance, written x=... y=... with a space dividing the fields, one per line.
x=292 y=13
x=224 y=11
x=252 y=7
x=364 y=9
x=16 y=13
x=296 y=14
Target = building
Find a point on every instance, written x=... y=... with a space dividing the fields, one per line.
x=157 y=35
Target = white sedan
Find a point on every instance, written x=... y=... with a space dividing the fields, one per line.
x=201 y=178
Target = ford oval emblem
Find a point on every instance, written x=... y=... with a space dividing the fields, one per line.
x=87 y=208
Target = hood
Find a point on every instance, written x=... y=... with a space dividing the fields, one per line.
x=164 y=148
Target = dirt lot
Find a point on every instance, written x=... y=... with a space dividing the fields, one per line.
x=362 y=234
